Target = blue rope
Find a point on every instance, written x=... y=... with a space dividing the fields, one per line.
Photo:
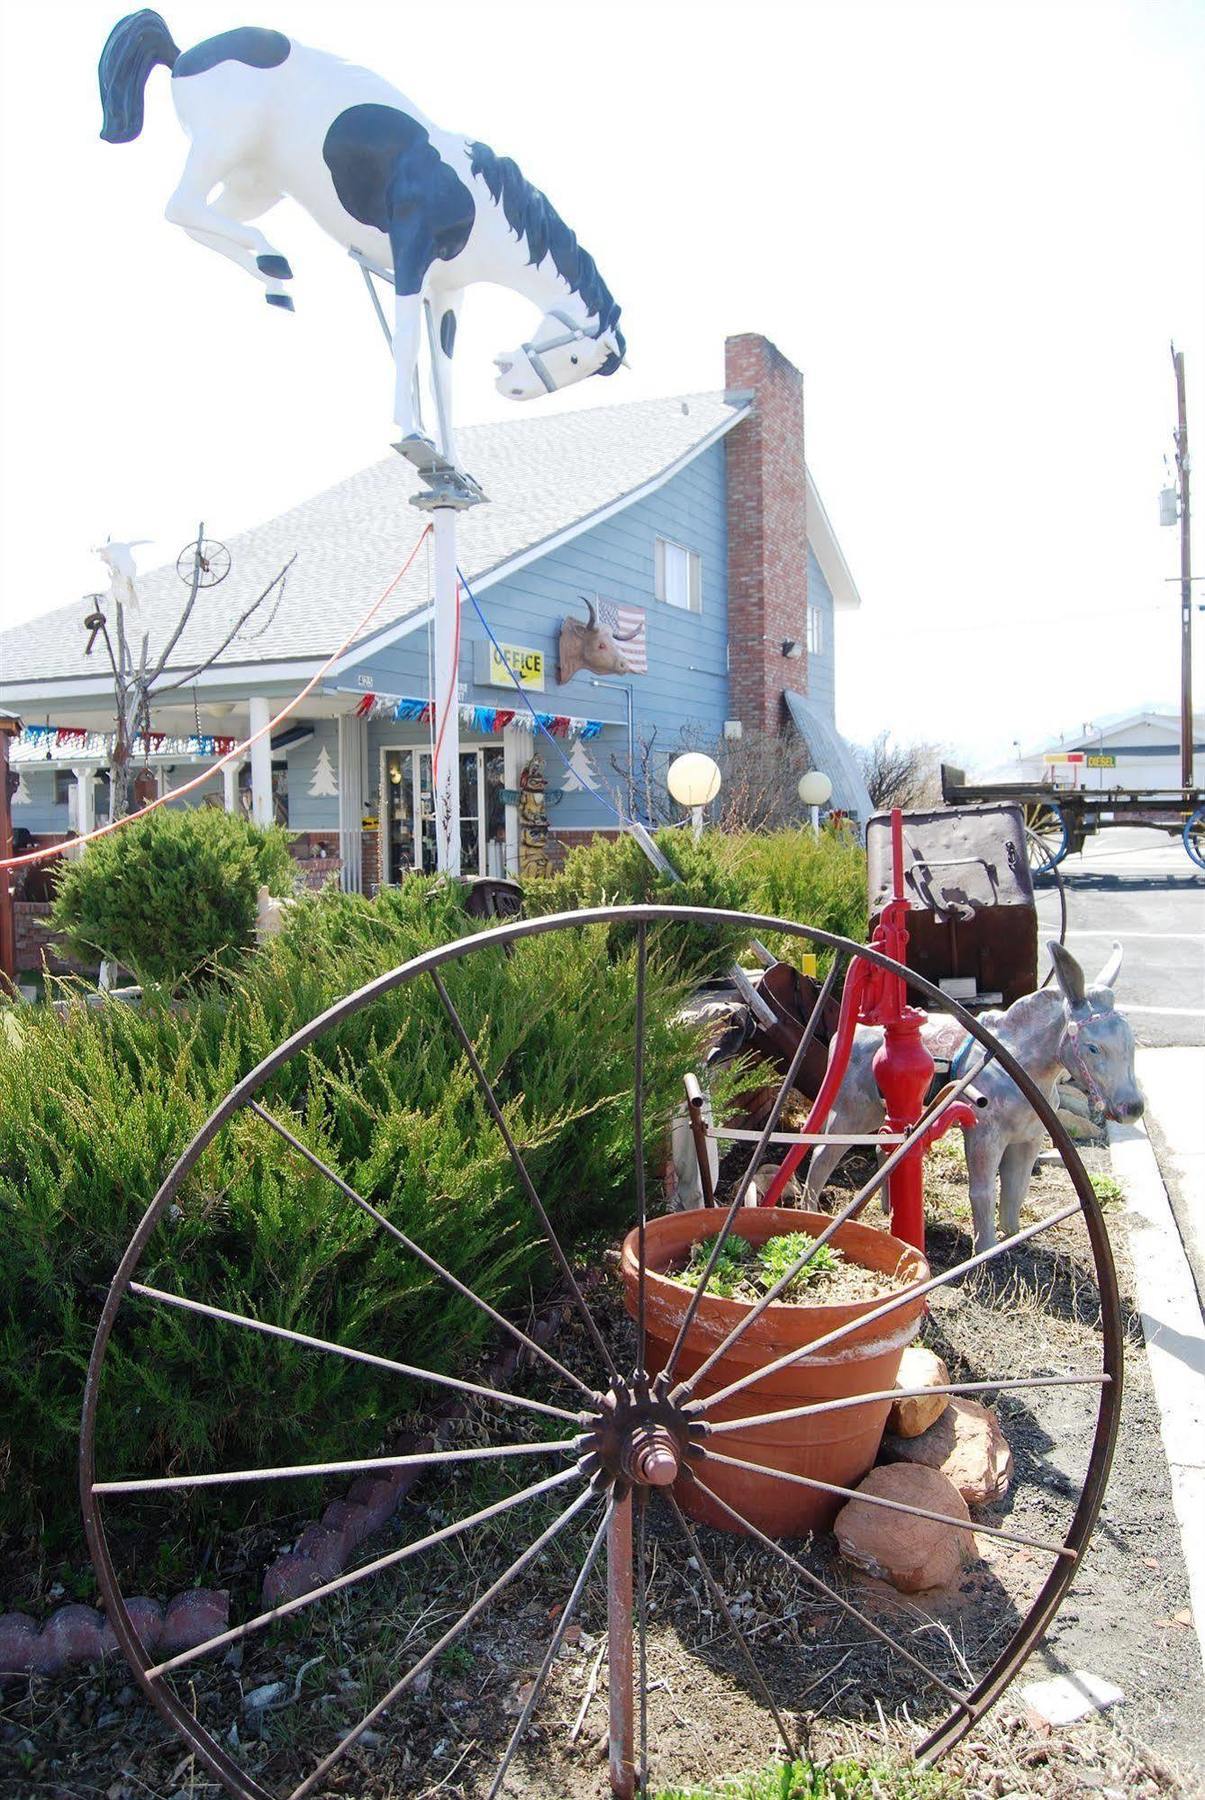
x=596 y=793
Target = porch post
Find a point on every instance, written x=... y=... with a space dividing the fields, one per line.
x=258 y=715
x=85 y=806
x=353 y=742
x=514 y=741
x=10 y=726
x=230 y=775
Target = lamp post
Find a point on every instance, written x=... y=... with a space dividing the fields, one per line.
x=815 y=790
x=694 y=781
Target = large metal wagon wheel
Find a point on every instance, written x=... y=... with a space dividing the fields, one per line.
x=622 y=1439
x=1046 y=835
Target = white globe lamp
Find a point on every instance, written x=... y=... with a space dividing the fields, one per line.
x=693 y=781
x=815 y=790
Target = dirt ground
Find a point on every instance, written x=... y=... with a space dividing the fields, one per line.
x=91 y=1735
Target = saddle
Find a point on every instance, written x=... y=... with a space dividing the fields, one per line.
x=792 y=998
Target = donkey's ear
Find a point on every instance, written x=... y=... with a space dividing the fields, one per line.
x=1112 y=969
x=1069 y=975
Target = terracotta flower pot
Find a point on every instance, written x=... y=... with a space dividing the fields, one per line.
x=837 y=1446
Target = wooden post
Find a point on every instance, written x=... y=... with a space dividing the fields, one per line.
x=10 y=725
x=1186 y=731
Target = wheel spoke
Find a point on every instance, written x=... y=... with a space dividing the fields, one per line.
x=831 y=1594
x=918 y=1512
x=352 y=1576
x=365 y=1356
x=951 y=1387
x=562 y=1625
x=520 y=1168
x=416 y=1250
x=755 y=1161
x=914 y=1292
x=717 y=1594
x=449 y=1637
x=881 y=1175
x=638 y=1129
x=299 y=1471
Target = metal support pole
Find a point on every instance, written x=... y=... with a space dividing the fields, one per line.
x=1182 y=465
x=619 y=1649
x=445 y=771
x=259 y=713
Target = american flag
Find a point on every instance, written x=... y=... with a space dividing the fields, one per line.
x=621 y=620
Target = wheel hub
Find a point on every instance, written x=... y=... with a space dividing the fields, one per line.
x=639 y=1437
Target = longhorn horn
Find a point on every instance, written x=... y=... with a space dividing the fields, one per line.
x=625 y=637
x=591 y=610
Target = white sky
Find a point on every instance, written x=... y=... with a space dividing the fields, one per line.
x=974 y=225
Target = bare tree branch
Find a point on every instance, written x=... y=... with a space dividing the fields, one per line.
x=183 y=680
x=186 y=614
x=904 y=775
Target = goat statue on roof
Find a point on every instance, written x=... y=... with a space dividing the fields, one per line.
x=433 y=210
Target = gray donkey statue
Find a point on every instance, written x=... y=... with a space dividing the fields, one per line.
x=1070 y=1029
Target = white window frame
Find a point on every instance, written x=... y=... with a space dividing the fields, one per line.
x=694 y=575
x=815 y=631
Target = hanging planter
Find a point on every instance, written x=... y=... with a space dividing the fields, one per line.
x=838 y=1447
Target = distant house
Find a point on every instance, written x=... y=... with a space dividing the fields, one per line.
x=1126 y=750
x=693 y=521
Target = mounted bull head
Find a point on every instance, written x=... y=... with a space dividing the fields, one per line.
x=592 y=646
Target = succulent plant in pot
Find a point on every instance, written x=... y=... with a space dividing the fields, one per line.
x=863 y=1267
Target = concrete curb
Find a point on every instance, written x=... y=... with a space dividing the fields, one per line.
x=1175 y=1341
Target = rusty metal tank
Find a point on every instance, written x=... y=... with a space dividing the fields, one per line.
x=972 y=921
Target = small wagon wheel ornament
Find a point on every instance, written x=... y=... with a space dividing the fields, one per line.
x=625 y=1439
x=1045 y=835
x=206 y=559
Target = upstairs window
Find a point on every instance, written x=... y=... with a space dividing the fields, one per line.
x=678 y=576
x=815 y=631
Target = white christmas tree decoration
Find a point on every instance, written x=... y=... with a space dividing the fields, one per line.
x=581 y=776
x=324 y=786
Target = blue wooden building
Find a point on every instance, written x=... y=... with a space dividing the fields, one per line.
x=690 y=528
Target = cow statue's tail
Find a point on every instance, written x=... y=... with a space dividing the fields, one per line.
x=133 y=48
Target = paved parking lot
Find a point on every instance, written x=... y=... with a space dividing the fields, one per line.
x=1140 y=887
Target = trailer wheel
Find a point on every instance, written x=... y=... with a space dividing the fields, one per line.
x=1045 y=835
x=1194 y=837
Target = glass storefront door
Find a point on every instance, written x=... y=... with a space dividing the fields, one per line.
x=408 y=809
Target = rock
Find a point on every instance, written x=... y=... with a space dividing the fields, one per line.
x=919 y=1368
x=967 y=1445
x=759 y=1187
x=910 y=1553
x=1066 y=1698
x=18 y=1643
x=270 y=1694
x=192 y=1617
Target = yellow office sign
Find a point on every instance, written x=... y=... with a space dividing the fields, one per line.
x=525 y=663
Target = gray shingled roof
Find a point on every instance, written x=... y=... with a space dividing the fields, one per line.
x=544 y=475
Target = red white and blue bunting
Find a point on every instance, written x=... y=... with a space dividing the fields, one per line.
x=487 y=721
x=60 y=742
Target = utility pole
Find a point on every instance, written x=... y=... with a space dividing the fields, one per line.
x=1182 y=467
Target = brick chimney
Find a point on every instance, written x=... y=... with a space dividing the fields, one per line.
x=767 y=533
